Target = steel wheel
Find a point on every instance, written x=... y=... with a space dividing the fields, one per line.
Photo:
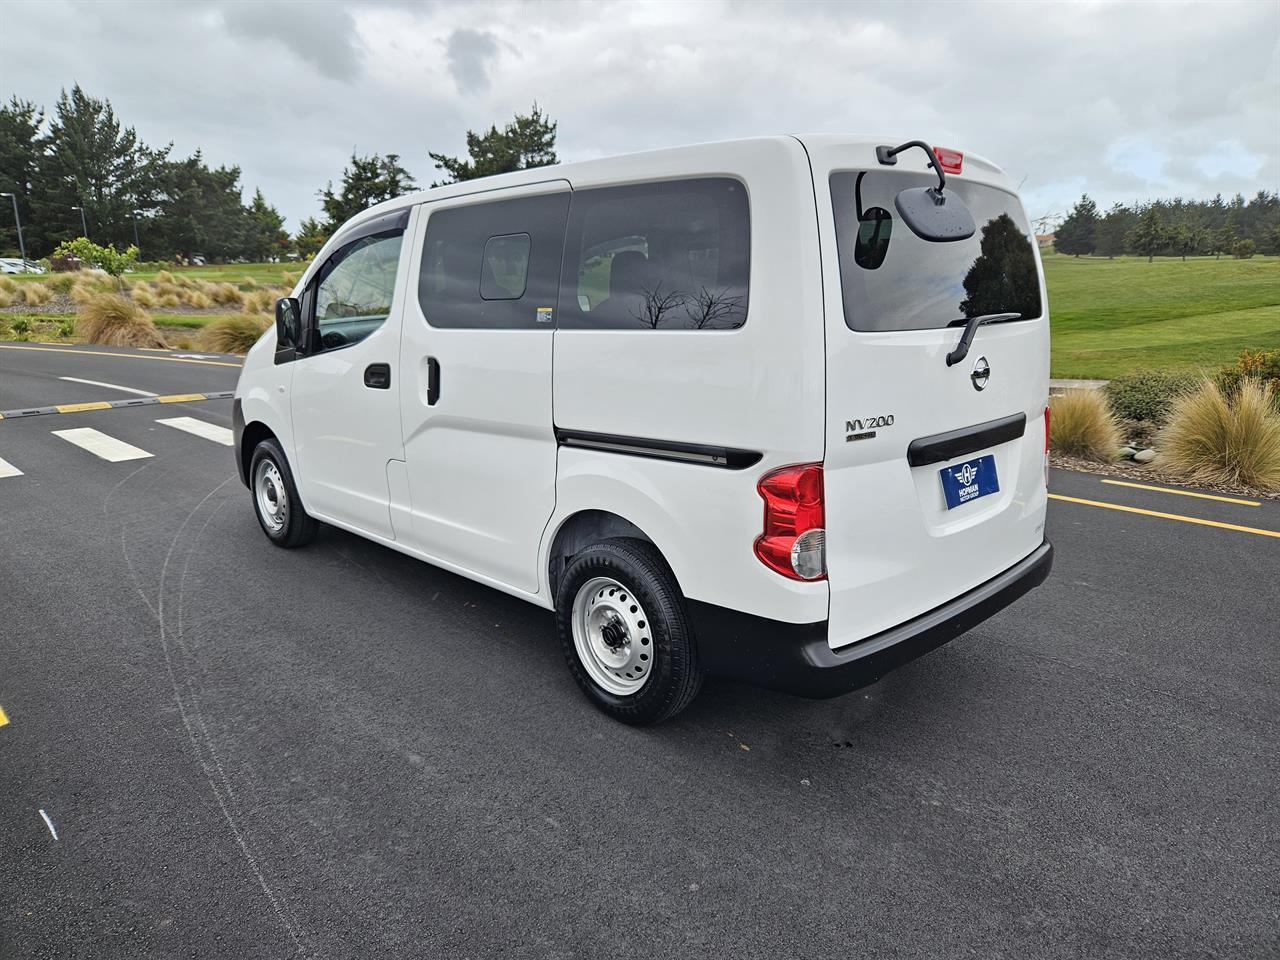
x=612 y=636
x=273 y=498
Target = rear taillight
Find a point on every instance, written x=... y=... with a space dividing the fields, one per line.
x=794 y=541
x=1046 y=446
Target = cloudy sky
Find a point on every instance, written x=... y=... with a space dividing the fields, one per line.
x=1122 y=100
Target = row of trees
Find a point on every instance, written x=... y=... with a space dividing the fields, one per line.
x=1175 y=227
x=84 y=160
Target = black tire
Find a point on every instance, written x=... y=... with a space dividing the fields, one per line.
x=674 y=676
x=297 y=528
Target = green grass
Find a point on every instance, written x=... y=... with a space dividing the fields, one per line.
x=266 y=274
x=1111 y=317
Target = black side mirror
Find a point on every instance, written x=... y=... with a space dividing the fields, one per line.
x=288 y=322
x=935 y=216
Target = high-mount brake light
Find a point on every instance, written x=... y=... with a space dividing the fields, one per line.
x=951 y=161
x=794 y=541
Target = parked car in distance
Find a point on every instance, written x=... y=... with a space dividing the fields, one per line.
x=772 y=409
x=16 y=265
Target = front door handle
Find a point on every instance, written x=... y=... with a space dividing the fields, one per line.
x=433 y=381
x=378 y=376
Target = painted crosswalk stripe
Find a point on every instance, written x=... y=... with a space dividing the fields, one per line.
x=7 y=469
x=210 y=431
x=101 y=445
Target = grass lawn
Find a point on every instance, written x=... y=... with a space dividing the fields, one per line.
x=1111 y=317
x=265 y=274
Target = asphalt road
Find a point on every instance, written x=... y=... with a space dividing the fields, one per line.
x=341 y=752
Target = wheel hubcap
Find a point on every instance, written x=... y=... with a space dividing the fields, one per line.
x=612 y=636
x=273 y=502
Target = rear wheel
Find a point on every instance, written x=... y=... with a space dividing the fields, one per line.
x=275 y=498
x=624 y=631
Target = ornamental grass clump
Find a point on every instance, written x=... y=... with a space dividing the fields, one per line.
x=1211 y=438
x=117 y=322
x=1081 y=424
x=234 y=334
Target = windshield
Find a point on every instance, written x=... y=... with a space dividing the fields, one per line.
x=893 y=280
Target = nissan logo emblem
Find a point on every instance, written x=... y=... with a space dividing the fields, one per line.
x=981 y=372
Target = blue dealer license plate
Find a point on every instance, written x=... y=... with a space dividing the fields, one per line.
x=970 y=480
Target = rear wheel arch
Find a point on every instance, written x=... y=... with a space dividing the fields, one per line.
x=582 y=529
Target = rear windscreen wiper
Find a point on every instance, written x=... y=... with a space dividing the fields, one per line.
x=971 y=325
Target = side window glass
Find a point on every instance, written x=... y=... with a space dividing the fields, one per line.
x=494 y=264
x=660 y=256
x=354 y=290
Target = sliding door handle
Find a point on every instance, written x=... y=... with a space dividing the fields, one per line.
x=378 y=376
x=433 y=381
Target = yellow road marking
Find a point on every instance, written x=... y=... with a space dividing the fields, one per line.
x=181 y=397
x=3 y=717
x=126 y=356
x=1167 y=516
x=80 y=407
x=1183 y=493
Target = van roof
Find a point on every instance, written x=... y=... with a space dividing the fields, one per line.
x=635 y=166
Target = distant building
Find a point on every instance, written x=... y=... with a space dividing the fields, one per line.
x=1045 y=239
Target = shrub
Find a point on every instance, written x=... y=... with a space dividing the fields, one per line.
x=1215 y=440
x=235 y=334
x=168 y=300
x=7 y=285
x=1243 y=249
x=1260 y=365
x=6 y=297
x=143 y=296
x=68 y=328
x=199 y=299
x=34 y=294
x=118 y=322
x=1147 y=396
x=105 y=258
x=1082 y=425
x=164 y=276
x=21 y=326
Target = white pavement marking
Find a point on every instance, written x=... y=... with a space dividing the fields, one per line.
x=7 y=469
x=49 y=823
x=101 y=445
x=110 y=386
x=210 y=431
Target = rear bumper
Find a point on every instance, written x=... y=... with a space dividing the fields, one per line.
x=795 y=658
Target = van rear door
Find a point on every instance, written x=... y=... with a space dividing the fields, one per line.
x=934 y=473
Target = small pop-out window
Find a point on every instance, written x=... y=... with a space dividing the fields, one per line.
x=505 y=270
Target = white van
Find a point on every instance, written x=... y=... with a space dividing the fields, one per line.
x=772 y=409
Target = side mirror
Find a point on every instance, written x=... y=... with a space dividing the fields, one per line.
x=934 y=215
x=288 y=322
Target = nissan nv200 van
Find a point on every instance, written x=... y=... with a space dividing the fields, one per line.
x=772 y=409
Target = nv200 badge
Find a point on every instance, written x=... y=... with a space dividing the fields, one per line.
x=866 y=429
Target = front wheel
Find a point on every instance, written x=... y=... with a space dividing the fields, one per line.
x=275 y=498
x=624 y=632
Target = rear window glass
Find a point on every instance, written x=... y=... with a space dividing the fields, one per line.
x=893 y=280
x=659 y=256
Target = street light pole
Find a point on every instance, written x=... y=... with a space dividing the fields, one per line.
x=18 y=220
x=84 y=225
x=136 y=242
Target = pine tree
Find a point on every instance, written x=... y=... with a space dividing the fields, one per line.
x=1112 y=229
x=89 y=159
x=1149 y=237
x=527 y=141
x=1003 y=279
x=310 y=238
x=368 y=180
x=267 y=238
x=20 y=123
x=1076 y=235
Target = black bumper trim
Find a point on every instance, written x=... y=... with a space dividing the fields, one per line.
x=237 y=434
x=942 y=447
x=795 y=657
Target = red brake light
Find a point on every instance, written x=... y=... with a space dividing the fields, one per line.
x=794 y=539
x=1046 y=447
x=951 y=160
